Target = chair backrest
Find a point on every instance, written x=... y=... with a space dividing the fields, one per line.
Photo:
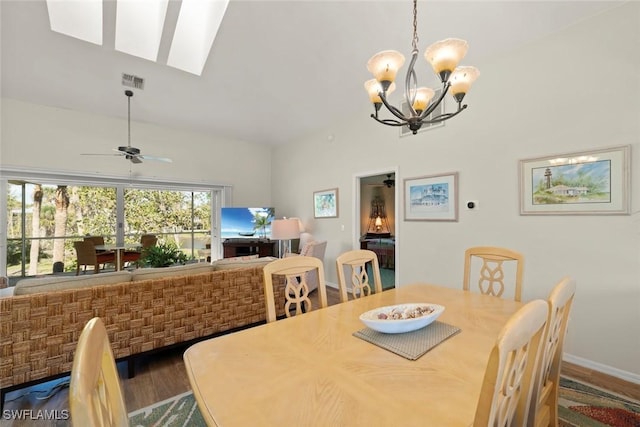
x=545 y=399
x=507 y=387
x=97 y=240
x=360 y=281
x=86 y=252
x=296 y=270
x=147 y=240
x=491 y=274
x=95 y=396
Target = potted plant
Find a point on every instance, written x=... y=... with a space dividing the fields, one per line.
x=162 y=255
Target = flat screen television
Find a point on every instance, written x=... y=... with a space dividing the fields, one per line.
x=246 y=223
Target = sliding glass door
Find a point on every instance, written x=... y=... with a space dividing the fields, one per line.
x=44 y=218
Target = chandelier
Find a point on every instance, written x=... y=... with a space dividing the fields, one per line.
x=444 y=57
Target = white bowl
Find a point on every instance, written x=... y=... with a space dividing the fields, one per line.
x=397 y=326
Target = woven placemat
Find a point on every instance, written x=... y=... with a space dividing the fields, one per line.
x=410 y=345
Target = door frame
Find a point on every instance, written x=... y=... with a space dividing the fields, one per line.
x=355 y=210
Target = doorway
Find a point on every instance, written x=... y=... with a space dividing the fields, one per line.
x=376 y=220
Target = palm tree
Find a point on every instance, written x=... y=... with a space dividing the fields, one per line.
x=260 y=221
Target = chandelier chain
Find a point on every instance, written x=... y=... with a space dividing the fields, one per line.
x=415 y=24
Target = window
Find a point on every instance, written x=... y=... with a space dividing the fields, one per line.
x=43 y=219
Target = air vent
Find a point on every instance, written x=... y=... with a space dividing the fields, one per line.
x=133 y=81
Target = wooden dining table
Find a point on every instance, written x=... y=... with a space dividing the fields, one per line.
x=311 y=370
x=119 y=249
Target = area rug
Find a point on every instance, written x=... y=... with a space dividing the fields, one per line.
x=177 y=411
x=580 y=405
x=583 y=405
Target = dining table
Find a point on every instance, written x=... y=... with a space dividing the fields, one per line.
x=311 y=370
x=119 y=249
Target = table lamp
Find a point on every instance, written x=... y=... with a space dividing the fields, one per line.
x=284 y=230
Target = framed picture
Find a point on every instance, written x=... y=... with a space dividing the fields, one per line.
x=431 y=198
x=325 y=203
x=404 y=107
x=594 y=182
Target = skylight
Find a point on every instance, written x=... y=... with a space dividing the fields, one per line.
x=139 y=27
x=197 y=26
x=79 y=19
x=140 y=24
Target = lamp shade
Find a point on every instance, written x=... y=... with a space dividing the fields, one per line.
x=373 y=88
x=285 y=229
x=384 y=65
x=462 y=78
x=445 y=54
x=423 y=97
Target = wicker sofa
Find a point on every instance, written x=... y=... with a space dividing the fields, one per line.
x=145 y=310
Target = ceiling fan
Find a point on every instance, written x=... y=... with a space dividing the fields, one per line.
x=389 y=182
x=131 y=153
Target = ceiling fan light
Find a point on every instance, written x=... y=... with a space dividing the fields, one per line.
x=385 y=65
x=462 y=79
x=374 y=87
x=422 y=99
x=445 y=55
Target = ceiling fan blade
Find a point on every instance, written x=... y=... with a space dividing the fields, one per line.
x=156 y=158
x=134 y=159
x=99 y=154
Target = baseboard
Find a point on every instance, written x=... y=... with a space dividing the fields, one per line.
x=602 y=368
x=608 y=377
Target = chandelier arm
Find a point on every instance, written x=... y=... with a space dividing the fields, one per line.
x=391 y=108
x=388 y=122
x=411 y=83
x=433 y=105
x=443 y=117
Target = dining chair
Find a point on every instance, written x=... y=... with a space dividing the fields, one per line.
x=97 y=241
x=505 y=395
x=87 y=255
x=357 y=260
x=545 y=399
x=95 y=395
x=297 y=271
x=132 y=256
x=491 y=274
x=147 y=240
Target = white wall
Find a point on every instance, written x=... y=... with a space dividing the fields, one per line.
x=35 y=136
x=574 y=91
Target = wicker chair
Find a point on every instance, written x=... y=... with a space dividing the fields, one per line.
x=87 y=255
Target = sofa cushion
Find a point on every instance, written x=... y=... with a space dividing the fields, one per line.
x=179 y=270
x=230 y=264
x=59 y=283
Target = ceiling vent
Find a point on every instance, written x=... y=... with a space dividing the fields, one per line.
x=133 y=81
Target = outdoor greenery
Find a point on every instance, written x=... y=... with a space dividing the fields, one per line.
x=162 y=255
x=57 y=215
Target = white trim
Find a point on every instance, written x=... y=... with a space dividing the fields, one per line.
x=605 y=369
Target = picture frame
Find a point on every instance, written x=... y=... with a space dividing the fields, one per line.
x=325 y=203
x=593 y=182
x=404 y=107
x=431 y=198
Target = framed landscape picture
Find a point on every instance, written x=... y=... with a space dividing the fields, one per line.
x=431 y=198
x=325 y=203
x=594 y=182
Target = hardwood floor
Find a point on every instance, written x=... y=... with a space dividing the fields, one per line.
x=163 y=375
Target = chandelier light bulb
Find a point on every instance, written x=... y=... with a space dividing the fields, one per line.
x=462 y=79
x=385 y=65
x=423 y=97
x=374 y=87
x=445 y=55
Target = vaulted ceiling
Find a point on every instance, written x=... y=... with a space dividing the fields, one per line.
x=277 y=71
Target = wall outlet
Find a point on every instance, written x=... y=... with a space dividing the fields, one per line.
x=472 y=205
